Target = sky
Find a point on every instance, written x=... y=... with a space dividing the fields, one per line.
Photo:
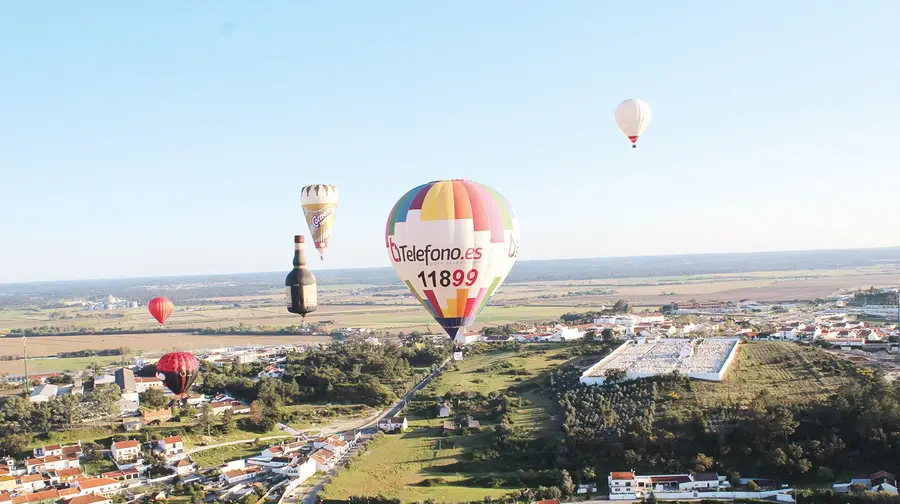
x=172 y=137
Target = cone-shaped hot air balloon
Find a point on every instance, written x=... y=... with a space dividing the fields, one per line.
x=160 y=308
x=178 y=371
x=320 y=203
x=632 y=117
x=452 y=242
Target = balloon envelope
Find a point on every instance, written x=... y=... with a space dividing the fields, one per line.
x=160 y=308
x=320 y=203
x=452 y=242
x=633 y=117
x=178 y=371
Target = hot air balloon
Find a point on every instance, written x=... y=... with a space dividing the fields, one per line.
x=160 y=308
x=632 y=117
x=452 y=242
x=178 y=371
x=319 y=206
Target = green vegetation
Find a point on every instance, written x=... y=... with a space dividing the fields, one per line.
x=505 y=388
x=791 y=373
x=215 y=457
x=873 y=296
x=657 y=425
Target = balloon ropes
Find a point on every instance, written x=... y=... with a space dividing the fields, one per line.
x=633 y=117
x=452 y=242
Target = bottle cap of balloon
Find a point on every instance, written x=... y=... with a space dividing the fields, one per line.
x=298 y=238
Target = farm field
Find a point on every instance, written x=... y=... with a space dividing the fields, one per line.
x=389 y=308
x=151 y=343
x=36 y=365
x=789 y=372
x=397 y=464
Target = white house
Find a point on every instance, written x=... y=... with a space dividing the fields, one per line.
x=466 y=337
x=181 y=467
x=172 y=447
x=301 y=468
x=393 y=423
x=126 y=452
x=444 y=410
x=43 y=393
x=101 y=486
x=50 y=463
x=142 y=384
x=239 y=475
x=324 y=459
x=31 y=482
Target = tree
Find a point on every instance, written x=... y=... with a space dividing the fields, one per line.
x=588 y=475
x=153 y=398
x=608 y=335
x=622 y=306
x=565 y=483
x=651 y=499
x=12 y=444
x=206 y=421
x=227 y=426
x=613 y=375
x=590 y=336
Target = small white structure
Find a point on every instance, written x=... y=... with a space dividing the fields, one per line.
x=393 y=424
x=43 y=393
x=238 y=475
x=172 y=447
x=444 y=410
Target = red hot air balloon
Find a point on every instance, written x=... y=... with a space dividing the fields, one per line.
x=160 y=308
x=178 y=371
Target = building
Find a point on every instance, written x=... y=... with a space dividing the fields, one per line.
x=466 y=337
x=444 y=410
x=700 y=359
x=125 y=380
x=393 y=424
x=238 y=475
x=65 y=476
x=43 y=393
x=50 y=463
x=31 y=482
x=299 y=469
x=182 y=467
x=626 y=485
x=172 y=447
x=879 y=482
x=143 y=384
x=160 y=415
x=90 y=499
x=324 y=459
x=98 y=486
x=122 y=475
x=126 y=452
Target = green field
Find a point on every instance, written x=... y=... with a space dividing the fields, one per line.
x=215 y=457
x=36 y=365
x=397 y=464
x=789 y=372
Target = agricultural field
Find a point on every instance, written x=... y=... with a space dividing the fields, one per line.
x=392 y=309
x=397 y=464
x=47 y=365
x=789 y=372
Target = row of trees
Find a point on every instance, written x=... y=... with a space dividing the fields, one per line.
x=19 y=418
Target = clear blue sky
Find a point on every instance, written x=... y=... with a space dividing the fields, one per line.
x=172 y=137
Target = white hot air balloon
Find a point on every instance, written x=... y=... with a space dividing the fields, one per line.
x=632 y=117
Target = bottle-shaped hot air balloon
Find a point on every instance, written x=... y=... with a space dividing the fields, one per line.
x=178 y=371
x=320 y=203
x=300 y=283
x=160 y=308
x=633 y=117
x=452 y=242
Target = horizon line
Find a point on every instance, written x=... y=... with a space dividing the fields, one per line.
x=517 y=262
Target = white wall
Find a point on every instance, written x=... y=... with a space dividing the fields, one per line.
x=705 y=495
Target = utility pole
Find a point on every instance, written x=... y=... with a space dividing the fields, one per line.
x=25 y=354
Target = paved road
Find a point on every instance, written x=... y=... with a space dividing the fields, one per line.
x=370 y=428
x=230 y=443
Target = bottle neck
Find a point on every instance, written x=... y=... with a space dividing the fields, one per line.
x=299 y=256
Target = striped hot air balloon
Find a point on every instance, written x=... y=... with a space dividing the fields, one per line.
x=452 y=242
